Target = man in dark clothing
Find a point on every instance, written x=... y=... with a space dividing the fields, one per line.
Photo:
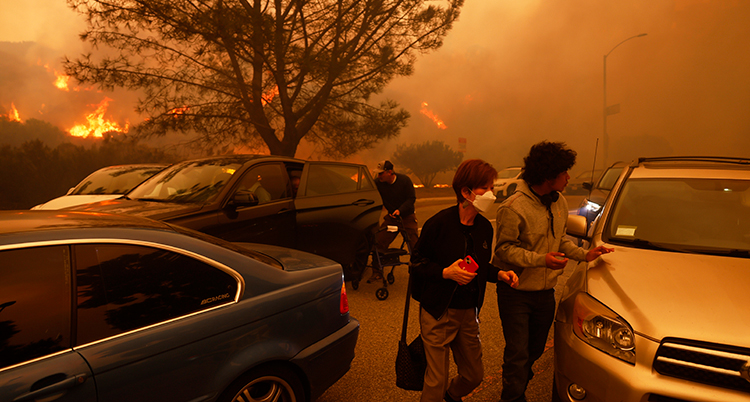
x=397 y=192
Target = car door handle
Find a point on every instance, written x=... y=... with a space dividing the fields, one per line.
x=363 y=202
x=69 y=382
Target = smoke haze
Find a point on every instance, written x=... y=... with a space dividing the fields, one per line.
x=512 y=73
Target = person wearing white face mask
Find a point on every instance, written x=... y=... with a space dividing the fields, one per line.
x=483 y=202
x=450 y=296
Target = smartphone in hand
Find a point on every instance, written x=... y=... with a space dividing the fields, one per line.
x=469 y=264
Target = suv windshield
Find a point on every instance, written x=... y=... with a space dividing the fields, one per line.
x=694 y=215
x=187 y=182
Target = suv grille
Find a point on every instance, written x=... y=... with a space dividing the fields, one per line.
x=711 y=364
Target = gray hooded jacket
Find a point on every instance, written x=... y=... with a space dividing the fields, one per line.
x=524 y=238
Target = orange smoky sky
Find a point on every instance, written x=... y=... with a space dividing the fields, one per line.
x=512 y=73
x=515 y=72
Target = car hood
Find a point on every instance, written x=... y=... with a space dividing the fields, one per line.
x=292 y=260
x=67 y=201
x=668 y=294
x=148 y=209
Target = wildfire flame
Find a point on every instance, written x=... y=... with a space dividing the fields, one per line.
x=97 y=125
x=432 y=116
x=179 y=110
x=61 y=81
x=267 y=97
x=13 y=114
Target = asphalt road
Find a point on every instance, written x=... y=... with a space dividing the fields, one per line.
x=372 y=375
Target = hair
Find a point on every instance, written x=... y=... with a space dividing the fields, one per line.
x=546 y=160
x=471 y=174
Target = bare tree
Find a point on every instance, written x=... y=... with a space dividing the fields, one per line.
x=427 y=159
x=264 y=72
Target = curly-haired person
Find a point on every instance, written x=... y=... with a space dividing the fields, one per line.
x=531 y=242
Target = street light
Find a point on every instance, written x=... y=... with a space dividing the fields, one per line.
x=614 y=109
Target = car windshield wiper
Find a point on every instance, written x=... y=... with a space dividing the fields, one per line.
x=152 y=199
x=722 y=252
x=641 y=243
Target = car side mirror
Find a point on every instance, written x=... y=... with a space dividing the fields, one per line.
x=577 y=226
x=587 y=185
x=243 y=198
x=70 y=190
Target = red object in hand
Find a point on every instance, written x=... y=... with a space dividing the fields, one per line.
x=469 y=264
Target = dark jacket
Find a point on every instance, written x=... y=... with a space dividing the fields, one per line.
x=440 y=244
x=399 y=195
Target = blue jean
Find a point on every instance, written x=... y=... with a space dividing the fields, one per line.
x=526 y=319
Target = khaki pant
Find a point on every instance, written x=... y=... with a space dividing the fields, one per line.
x=458 y=331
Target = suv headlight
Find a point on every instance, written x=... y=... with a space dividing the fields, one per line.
x=601 y=328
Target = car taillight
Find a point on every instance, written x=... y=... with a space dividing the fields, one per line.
x=344 y=304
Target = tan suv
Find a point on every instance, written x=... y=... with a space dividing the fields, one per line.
x=665 y=317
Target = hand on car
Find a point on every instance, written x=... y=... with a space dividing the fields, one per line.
x=508 y=277
x=594 y=253
x=458 y=274
x=555 y=260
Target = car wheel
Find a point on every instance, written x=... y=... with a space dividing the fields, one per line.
x=511 y=189
x=270 y=383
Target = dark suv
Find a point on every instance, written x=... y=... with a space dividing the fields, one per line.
x=326 y=208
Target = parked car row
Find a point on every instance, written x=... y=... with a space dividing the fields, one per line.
x=326 y=208
x=663 y=318
x=118 y=298
x=203 y=301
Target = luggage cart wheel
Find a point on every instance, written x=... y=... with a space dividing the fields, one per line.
x=381 y=294
x=391 y=278
x=355 y=284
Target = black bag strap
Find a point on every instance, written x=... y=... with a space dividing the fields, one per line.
x=406 y=307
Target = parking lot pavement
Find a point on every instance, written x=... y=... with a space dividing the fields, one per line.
x=372 y=375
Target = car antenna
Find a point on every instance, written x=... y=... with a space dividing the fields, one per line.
x=593 y=168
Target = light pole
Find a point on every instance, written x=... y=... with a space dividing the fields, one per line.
x=614 y=109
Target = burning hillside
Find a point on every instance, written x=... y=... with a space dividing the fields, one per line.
x=37 y=90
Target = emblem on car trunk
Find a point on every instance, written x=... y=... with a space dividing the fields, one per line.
x=745 y=371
